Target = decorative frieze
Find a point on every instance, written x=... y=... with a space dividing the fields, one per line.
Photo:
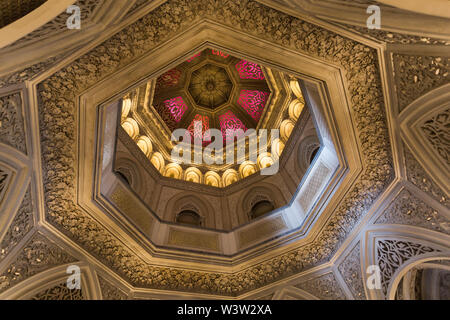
x=350 y=269
x=20 y=226
x=27 y=73
x=12 y=130
x=396 y=38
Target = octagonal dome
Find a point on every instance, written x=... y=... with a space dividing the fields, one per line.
x=215 y=88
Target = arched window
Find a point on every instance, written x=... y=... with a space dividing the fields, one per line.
x=261 y=208
x=313 y=155
x=189 y=217
x=124 y=177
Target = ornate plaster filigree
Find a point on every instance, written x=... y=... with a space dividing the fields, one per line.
x=59 y=292
x=392 y=254
x=38 y=254
x=417 y=175
x=350 y=269
x=58 y=97
x=136 y=5
x=266 y=297
x=110 y=292
x=444 y=286
x=396 y=38
x=324 y=287
x=20 y=226
x=12 y=130
x=409 y=210
x=437 y=132
x=417 y=75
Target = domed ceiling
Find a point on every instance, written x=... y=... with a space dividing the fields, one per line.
x=212 y=89
x=215 y=88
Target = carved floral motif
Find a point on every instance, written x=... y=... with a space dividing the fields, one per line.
x=12 y=130
x=350 y=268
x=437 y=131
x=20 y=226
x=407 y=209
x=417 y=175
x=392 y=254
x=394 y=37
x=176 y=107
x=168 y=79
x=59 y=24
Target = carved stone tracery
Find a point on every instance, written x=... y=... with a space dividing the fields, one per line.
x=437 y=132
x=59 y=24
x=392 y=254
x=417 y=175
x=350 y=268
x=59 y=292
x=409 y=210
x=324 y=287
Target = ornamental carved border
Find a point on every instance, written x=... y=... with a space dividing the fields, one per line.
x=57 y=108
x=416 y=75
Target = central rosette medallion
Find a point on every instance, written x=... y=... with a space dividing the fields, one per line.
x=210 y=86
